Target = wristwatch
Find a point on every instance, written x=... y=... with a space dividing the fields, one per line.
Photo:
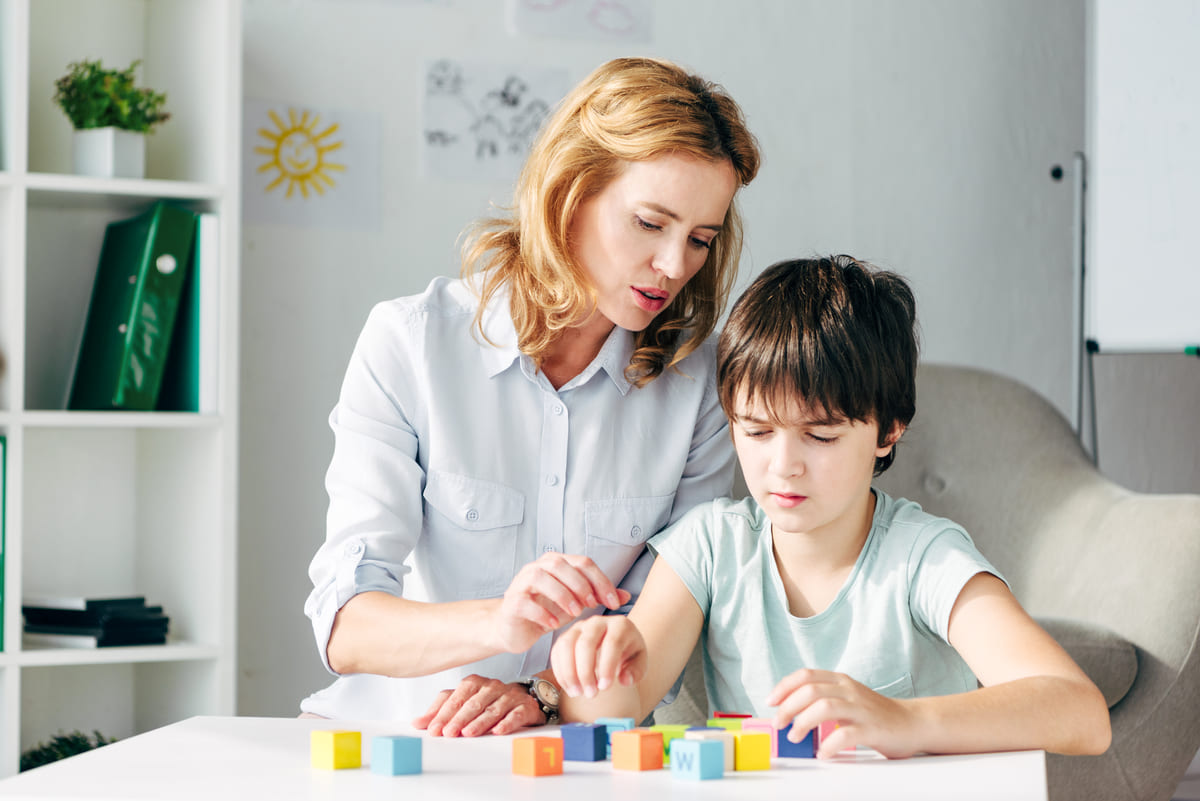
x=546 y=694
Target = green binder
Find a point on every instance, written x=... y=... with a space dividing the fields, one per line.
x=135 y=298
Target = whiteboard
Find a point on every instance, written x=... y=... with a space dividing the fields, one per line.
x=1142 y=274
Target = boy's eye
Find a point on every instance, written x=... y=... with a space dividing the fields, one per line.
x=756 y=433
x=822 y=440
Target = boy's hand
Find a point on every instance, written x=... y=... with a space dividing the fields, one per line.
x=548 y=593
x=596 y=653
x=807 y=698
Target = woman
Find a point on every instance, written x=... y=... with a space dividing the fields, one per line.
x=506 y=442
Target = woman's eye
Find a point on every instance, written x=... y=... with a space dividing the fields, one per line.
x=648 y=226
x=701 y=243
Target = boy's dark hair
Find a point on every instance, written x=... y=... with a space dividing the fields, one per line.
x=834 y=333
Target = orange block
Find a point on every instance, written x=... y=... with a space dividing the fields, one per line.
x=537 y=756
x=637 y=749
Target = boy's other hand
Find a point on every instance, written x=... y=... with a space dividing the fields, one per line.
x=807 y=698
x=481 y=706
x=548 y=593
x=597 y=653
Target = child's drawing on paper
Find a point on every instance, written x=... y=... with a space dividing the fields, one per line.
x=296 y=152
x=479 y=120
x=307 y=167
x=597 y=20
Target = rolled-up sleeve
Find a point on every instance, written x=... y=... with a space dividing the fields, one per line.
x=374 y=480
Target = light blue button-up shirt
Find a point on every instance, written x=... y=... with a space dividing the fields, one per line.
x=456 y=462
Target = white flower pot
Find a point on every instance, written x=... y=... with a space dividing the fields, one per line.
x=109 y=153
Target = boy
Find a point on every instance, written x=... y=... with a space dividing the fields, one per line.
x=819 y=596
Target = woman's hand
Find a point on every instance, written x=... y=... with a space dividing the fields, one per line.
x=548 y=593
x=807 y=698
x=481 y=706
x=597 y=653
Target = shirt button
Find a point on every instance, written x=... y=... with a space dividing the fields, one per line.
x=558 y=409
x=551 y=481
x=354 y=549
x=635 y=532
x=548 y=549
x=472 y=514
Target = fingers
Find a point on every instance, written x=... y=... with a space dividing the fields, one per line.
x=422 y=720
x=596 y=653
x=569 y=584
x=469 y=701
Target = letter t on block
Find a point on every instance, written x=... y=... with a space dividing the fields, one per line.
x=537 y=756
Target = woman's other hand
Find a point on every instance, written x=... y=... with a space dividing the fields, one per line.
x=481 y=706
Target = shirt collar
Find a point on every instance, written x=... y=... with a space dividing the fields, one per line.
x=500 y=347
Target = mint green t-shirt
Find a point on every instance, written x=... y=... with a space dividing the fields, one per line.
x=886 y=628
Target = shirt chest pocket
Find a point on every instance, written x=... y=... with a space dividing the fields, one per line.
x=617 y=530
x=471 y=530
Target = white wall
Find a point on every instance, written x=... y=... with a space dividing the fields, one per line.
x=918 y=135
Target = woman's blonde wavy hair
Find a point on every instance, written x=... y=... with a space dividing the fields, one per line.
x=629 y=109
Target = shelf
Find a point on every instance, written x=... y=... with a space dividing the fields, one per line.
x=116 y=420
x=114 y=503
x=79 y=191
x=133 y=654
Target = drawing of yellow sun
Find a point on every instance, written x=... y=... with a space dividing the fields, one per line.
x=298 y=153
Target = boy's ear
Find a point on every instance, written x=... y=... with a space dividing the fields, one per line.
x=892 y=438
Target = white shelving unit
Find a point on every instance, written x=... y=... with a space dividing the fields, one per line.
x=113 y=503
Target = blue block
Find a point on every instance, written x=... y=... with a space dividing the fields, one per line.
x=615 y=724
x=804 y=748
x=396 y=756
x=697 y=759
x=585 y=742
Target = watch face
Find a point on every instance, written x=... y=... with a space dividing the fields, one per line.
x=546 y=692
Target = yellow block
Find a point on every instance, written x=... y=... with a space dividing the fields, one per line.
x=335 y=750
x=751 y=750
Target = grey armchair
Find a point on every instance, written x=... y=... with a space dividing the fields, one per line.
x=1114 y=575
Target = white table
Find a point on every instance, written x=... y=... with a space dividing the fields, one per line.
x=231 y=759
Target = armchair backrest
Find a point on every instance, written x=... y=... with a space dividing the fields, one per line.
x=994 y=456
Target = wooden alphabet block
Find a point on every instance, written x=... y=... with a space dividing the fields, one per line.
x=537 y=756
x=806 y=748
x=585 y=742
x=697 y=759
x=767 y=727
x=336 y=750
x=751 y=751
x=724 y=737
x=396 y=756
x=823 y=731
x=613 y=725
x=670 y=731
x=720 y=714
x=637 y=749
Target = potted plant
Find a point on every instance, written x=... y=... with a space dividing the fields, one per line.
x=111 y=117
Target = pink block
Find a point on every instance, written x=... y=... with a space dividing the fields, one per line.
x=824 y=730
